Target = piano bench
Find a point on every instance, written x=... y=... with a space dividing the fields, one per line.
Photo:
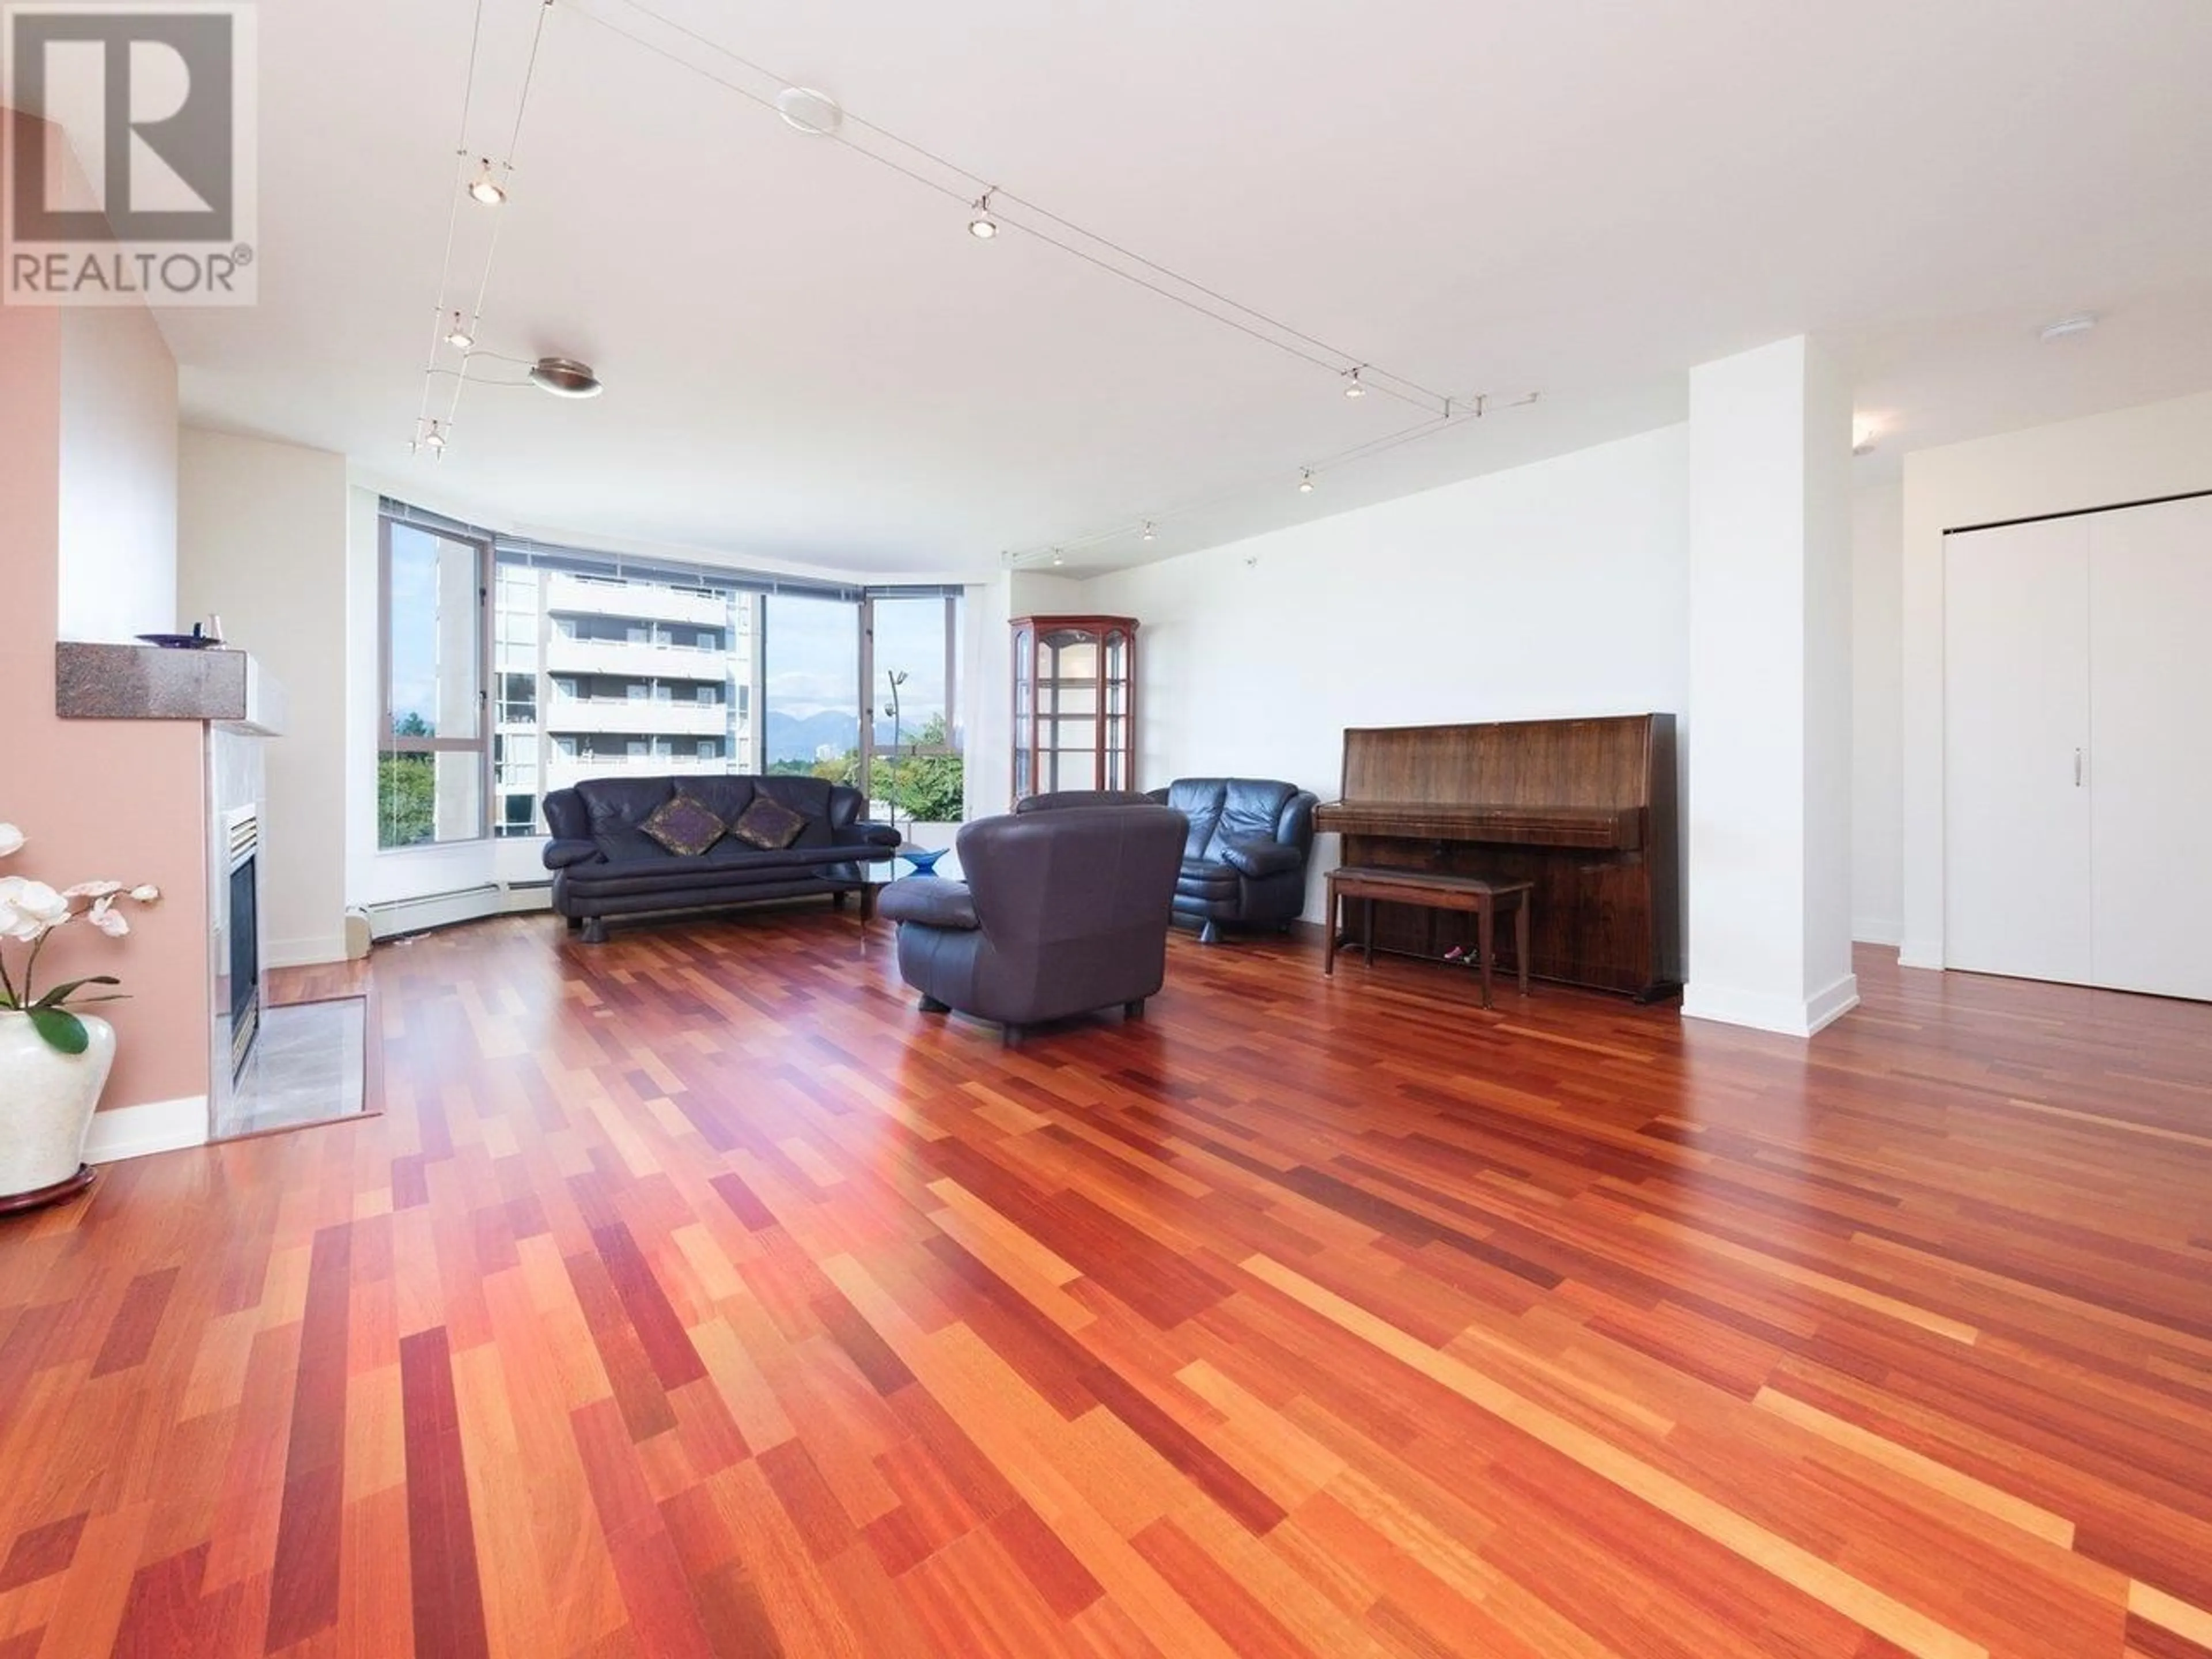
x=1437 y=891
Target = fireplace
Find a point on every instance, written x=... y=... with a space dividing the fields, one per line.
x=238 y=954
x=244 y=929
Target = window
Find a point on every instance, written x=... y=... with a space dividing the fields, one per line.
x=512 y=669
x=433 y=760
x=916 y=772
x=517 y=699
x=812 y=651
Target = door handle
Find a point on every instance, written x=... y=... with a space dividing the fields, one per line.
x=2077 y=768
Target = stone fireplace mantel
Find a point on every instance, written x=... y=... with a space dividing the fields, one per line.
x=222 y=687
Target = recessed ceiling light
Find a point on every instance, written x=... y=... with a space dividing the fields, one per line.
x=809 y=111
x=2079 y=323
x=486 y=186
x=564 y=377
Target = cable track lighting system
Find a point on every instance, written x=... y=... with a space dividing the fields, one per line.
x=991 y=211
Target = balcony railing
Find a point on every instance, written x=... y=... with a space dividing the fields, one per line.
x=641 y=659
x=563 y=770
x=568 y=595
x=644 y=716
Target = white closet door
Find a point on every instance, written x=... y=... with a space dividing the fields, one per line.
x=2016 y=895
x=2150 y=749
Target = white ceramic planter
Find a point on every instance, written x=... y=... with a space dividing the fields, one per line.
x=46 y=1099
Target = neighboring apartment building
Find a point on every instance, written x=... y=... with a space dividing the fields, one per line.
x=597 y=675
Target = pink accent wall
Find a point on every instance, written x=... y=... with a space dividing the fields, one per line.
x=91 y=398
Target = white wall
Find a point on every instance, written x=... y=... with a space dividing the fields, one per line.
x=2104 y=460
x=118 y=475
x=1878 y=712
x=261 y=531
x=1767 y=897
x=1551 y=590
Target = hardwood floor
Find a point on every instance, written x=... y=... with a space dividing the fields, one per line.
x=696 y=1296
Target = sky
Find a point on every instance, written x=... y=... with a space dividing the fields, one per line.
x=812 y=657
x=413 y=622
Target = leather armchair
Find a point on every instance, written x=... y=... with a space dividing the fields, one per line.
x=1063 y=911
x=1057 y=800
x=1244 y=859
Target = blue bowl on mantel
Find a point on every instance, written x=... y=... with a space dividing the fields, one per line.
x=182 y=641
x=923 y=859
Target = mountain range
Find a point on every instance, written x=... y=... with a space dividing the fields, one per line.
x=798 y=737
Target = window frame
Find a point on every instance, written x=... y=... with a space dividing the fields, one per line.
x=950 y=598
x=954 y=745
x=389 y=742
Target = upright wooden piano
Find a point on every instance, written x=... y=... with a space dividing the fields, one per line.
x=1584 y=808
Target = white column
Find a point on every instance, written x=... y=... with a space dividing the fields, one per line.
x=1768 y=814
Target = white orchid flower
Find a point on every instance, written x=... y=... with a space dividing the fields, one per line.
x=30 y=910
x=35 y=908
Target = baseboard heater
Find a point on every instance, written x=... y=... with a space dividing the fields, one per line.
x=521 y=895
x=397 y=917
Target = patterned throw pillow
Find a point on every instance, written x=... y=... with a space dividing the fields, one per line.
x=768 y=824
x=683 y=826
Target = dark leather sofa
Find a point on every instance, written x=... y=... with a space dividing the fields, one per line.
x=604 y=864
x=1062 y=912
x=1244 y=859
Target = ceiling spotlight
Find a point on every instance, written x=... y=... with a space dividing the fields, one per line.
x=1305 y=482
x=436 y=437
x=1863 y=432
x=1354 y=389
x=809 y=111
x=459 y=334
x=564 y=377
x=486 y=186
x=983 y=227
x=1150 y=533
x=1056 y=557
x=2079 y=323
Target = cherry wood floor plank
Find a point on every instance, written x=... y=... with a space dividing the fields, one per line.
x=693 y=1294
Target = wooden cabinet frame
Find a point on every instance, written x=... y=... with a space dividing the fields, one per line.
x=1045 y=700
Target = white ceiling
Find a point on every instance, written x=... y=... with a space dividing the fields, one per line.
x=808 y=359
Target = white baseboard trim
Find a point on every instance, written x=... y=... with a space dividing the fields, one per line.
x=1827 y=1007
x=307 y=952
x=159 y=1126
x=1920 y=953
x=1877 y=930
x=1761 y=1011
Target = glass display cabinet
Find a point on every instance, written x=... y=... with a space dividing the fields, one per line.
x=1075 y=703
